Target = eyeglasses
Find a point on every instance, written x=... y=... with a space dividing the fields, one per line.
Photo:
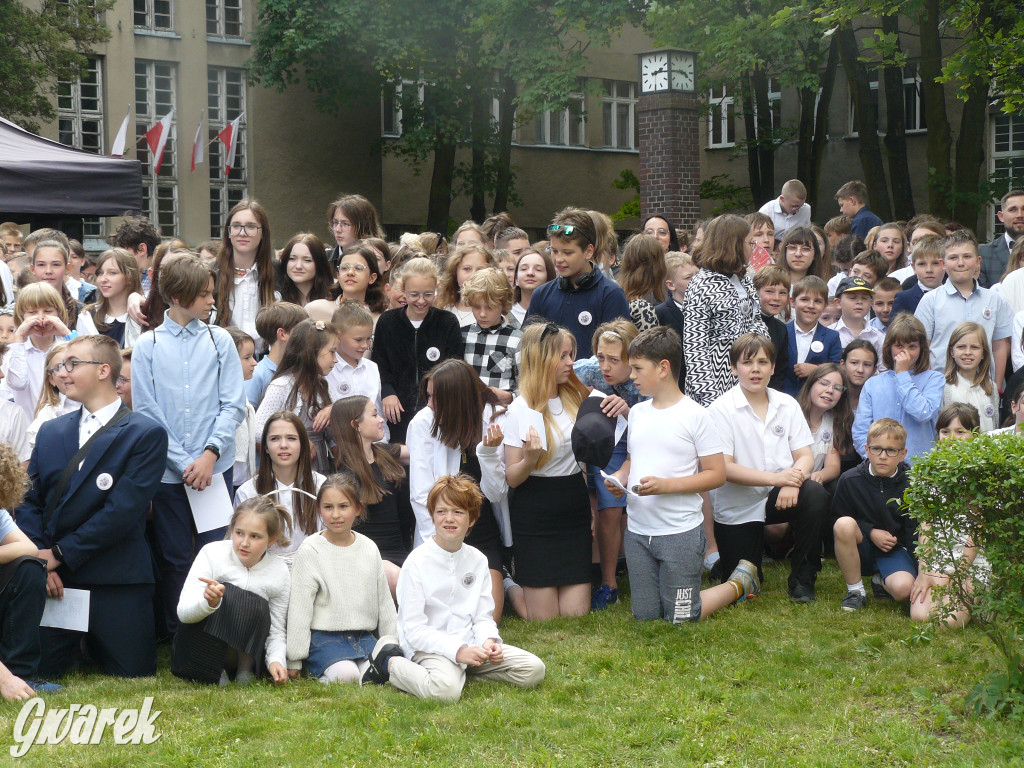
x=561 y=229
x=416 y=296
x=247 y=229
x=352 y=268
x=122 y=380
x=335 y=224
x=877 y=450
x=830 y=387
x=659 y=232
x=69 y=365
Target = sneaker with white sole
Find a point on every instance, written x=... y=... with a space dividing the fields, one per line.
x=854 y=601
x=745 y=574
x=377 y=672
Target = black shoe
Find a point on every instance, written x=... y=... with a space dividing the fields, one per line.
x=801 y=593
x=854 y=601
x=878 y=588
x=377 y=673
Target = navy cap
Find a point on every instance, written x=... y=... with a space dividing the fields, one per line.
x=853 y=284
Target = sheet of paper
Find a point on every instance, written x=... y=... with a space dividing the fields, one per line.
x=620 y=427
x=615 y=481
x=535 y=419
x=211 y=508
x=70 y=613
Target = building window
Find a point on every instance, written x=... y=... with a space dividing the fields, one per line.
x=155 y=96
x=80 y=110
x=721 y=119
x=154 y=15
x=562 y=127
x=394 y=100
x=872 y=95
x=618 y=106
x=913 y=100
x=225 y=101
x=224 y=18
x=1007 y=159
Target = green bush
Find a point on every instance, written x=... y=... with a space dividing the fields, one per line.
x=975 y=488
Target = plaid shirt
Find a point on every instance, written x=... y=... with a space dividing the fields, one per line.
x=494 y=354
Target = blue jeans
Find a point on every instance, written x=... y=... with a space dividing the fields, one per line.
x=664 y=574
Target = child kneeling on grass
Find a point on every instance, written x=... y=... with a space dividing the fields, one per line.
x=872 y=535
x=445 y=623
x=674 y=454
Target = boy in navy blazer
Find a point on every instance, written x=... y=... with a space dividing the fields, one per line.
x=92 y=532
x=810 y=343
x=679 y=269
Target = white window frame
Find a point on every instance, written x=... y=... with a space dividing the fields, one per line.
x=851 y=116
x=70 y=109
x=150 y=22
x=225 y=191
x=725 y=119
x=913 y=117
x=219 y=19
x=1004 y=162
x=570 y=116
x=396 y=106
x=610 y=105
x=162 y=187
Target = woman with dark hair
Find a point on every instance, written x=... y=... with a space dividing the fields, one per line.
x=303 y=273
x=246 y=267
x=659 y=227
x=351 y=218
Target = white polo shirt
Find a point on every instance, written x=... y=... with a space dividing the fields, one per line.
x=766 y=445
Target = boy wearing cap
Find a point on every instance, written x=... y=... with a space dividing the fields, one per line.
x=810 y=342
x=854 y=296
x=674 y=455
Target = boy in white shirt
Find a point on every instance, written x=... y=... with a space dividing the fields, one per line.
x=354 y=373
x=445 y=623
x=767 y=449
x=674 y=455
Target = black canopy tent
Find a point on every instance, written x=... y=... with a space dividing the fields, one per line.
x=44 y=183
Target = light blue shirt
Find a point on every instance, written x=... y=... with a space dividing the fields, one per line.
x=941 y=310
x=7 y=525
x=912 y=399
x=257 y=385
x=189 y=380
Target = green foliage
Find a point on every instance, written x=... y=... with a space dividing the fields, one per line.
x=42 y=44
x=631 y=208
x=733 y=197
x=973 y=491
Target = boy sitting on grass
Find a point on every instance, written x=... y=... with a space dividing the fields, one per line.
x=872 y=534
x=673 y=456
x=445 y=609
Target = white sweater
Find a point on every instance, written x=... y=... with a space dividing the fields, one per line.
x=268 y=579
x=444 y=600
x=337 y=589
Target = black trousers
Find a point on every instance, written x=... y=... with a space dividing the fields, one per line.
x=121 y=636
x=746 y=540
x=21 y=608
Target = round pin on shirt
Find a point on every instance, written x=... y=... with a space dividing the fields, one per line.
x=433 y=354
x=585 y=318
x=104 y=482
x=779 y=430
x=817 y=346
x=987 y=313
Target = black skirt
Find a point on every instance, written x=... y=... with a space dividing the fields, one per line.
x=551 y=535
x=382 y=524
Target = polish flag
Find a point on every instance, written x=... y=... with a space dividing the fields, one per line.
x=156 y=137
x=122 y=136
x=230 y=138
x=198 y=147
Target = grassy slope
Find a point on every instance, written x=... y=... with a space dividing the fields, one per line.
x=762 y=684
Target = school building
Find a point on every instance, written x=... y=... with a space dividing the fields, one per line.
x=193 y=58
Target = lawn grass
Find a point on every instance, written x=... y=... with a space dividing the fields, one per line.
x=766 y=683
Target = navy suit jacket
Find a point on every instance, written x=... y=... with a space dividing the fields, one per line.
x=101 y=531
x=994 y=256
x=672 y=316
x=907 y=300
x=831 y=352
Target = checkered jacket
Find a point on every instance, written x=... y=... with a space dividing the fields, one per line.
x=494 y=354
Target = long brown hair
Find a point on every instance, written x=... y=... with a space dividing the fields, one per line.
x=349 y=450
x=643 y=270
x=842 y=414
x=449 y=292
x=226 y=261
x=299 y=360
x=459 y=398
x=722 y=248
x=306 y=515
x=127 y=266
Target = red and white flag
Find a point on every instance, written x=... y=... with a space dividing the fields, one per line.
x=198 y=146
x=230 y=138
x=122 y=136
x=156 y=137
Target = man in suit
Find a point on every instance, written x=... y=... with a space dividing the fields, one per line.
x=90 y=529
x=994 y=255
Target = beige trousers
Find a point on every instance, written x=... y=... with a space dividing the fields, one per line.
x=432 y=676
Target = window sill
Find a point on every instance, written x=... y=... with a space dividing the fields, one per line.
x=228 y=40
x=166 y=33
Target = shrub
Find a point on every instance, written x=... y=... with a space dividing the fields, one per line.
x=974 y=489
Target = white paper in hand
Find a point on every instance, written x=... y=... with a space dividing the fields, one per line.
x=72 y=612
x=211 y=508
x=615 y=481
x=535 y=419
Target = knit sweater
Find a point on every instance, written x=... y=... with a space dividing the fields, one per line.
x=268 y=579
x=337 y=589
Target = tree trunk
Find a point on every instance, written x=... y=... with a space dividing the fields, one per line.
x=506 y=126
x=440 y=201
x=939 y=139
x=896 y=131
x=479 y=131
x=970 y=154
x=765 y=146
x=805 y=141
x=868 y=148
x=750 y=127
x=828 y=82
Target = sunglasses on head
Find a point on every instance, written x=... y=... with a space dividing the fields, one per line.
x=561 y=229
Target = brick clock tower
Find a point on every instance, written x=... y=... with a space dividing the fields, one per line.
x=669 y=155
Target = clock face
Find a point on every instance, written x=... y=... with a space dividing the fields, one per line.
x=654 y=73
x=683 y=73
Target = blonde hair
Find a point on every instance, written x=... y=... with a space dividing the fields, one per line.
x=419 y=266
x=38 y=296
x=981 y=377
x=49 y=394
x=541 y=349
x=491 y=286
